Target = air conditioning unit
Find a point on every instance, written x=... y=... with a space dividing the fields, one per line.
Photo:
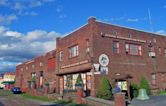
x=152 y=54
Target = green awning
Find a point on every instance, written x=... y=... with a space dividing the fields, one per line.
x=8 y=82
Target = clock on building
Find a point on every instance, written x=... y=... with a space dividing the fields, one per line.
x=103 y=60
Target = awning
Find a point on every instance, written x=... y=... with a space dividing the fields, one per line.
x=8 y=82
x=120 y=76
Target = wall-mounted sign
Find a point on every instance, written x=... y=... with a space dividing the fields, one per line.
x=104 y=70
x=103 y=60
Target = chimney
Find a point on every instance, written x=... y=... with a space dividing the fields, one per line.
x=91 y=20
x=58 y=38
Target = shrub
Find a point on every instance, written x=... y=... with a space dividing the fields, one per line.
x=134 y=90
x=79 y=81
x=145 y=85
x=105 y=88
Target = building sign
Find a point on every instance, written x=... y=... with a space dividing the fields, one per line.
x=103 y=60
x=124 y=38
x=104 y=70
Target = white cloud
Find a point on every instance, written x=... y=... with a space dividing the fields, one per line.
x=7 y=19
x=4 y=46
x=13 y=34
x=62 y=16
x=34 y=35
x=59 y=9
x=132 y=19
x=32 y=13
x=2 y=29
x=24 y=7
x=161 y=32
x=35 y=4
x=4 y=2
x=18 y=47
x=19 y=6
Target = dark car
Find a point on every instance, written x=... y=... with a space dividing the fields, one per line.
x=16 y=90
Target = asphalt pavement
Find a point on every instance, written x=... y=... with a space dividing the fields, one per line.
x=153 y=101
x=9 y=99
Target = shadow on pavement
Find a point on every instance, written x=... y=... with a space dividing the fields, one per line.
x=51 y=105
x=1 y=104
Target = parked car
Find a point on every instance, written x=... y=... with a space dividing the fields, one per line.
x=16 y=90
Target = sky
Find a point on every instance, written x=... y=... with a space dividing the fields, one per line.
x=28 y=28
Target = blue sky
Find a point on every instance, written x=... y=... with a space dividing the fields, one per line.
x=29 y=27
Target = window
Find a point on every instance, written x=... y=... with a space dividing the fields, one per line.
x=87 y=43
x=129 y=35
x=133 y=49
x=115 y=33
x=87 y=46
x=115 y=48
x=159 y=50
x=33 y=66
x=41 y=64
x=60 y=56
x=73 y=51
x=153 y=79
x=33 y=76
x=26 y=67
x=70 y=81
x=165 y=52
x=151 y=49
x=41 y=73
x=162 y=77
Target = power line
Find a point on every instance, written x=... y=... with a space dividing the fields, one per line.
x=150 y=20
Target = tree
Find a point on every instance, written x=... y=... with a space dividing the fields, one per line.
x=145 y=85
x=105 y=88
x=79 y=81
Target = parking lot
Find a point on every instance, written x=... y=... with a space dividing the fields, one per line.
x=153 y=101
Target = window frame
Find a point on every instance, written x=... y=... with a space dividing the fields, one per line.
x=73 y=51
x=116 y=50
x=138 y=48
x=153 y=79
x=60 y=55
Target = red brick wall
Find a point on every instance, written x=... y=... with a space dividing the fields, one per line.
x=136 y=66
x=48 y=68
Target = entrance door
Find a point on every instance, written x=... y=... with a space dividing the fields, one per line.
x=122 y=85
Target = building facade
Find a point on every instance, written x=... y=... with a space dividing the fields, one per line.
x=123 y=54
x=37 y=74
x=95 y=50
x=8 y=80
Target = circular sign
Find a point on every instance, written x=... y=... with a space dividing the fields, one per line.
x=103 y=60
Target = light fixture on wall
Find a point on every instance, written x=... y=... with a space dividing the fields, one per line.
x=117 y=74
x=96 y=66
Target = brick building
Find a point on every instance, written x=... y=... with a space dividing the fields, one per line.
x=8 y=80
x=94 y=50
x=37 y=74
x=123 y=54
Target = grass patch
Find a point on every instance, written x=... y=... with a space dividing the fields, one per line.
x=162 y=93
x=5 y=93
x=68 y=103
x=41 y=98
